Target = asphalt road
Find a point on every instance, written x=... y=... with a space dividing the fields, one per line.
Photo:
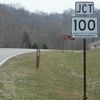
x=7 y=53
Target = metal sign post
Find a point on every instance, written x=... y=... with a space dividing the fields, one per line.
x=37 y=58
x=84 y=67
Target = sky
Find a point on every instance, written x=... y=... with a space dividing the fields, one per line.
x=47 y=6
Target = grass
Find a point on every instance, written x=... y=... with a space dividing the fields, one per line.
x=59 y=77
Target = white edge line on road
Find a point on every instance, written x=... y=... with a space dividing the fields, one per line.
x=1 y=63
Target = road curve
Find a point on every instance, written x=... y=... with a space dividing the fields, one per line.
x=7 y=53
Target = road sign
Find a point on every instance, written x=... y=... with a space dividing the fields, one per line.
x=84 y=8
x=84 y=27
x=66 y=37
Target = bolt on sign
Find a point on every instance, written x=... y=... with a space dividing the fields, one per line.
x=84 y=26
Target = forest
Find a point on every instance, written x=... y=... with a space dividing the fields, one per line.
x=22 y=29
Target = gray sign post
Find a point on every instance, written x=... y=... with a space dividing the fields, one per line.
x=37 y=58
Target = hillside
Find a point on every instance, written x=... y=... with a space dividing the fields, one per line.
x=59 y=77
x=39 y=27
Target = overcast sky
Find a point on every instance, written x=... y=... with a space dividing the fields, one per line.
x=47 y=5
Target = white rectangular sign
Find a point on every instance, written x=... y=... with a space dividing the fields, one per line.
x=82 y=26
x=84 y=8
x=84 y=35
